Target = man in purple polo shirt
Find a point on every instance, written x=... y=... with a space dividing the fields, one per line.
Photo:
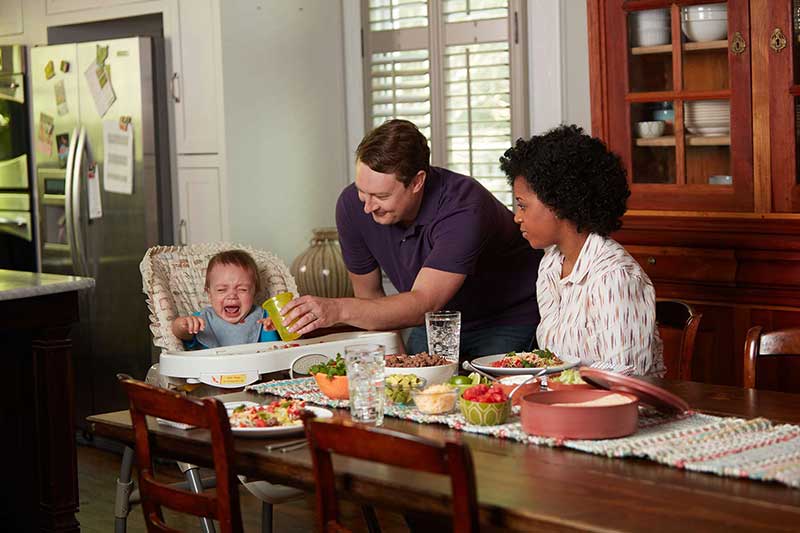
x=443 y=240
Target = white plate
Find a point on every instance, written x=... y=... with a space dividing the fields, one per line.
x=277 y=431
x=484 y=363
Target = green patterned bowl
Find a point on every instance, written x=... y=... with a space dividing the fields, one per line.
x=484 y=413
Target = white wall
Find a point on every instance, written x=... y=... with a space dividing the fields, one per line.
x=577 y=105
x=285 y=126
x=558 y=64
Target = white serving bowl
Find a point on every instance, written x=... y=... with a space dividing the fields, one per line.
x=434 y=375
x=705 y=11
x=705 y=30
x=652 y=14
x=720 y=180
x=651 y=37
x=649 y=129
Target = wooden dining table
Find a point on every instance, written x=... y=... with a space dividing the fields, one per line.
x=527 y=487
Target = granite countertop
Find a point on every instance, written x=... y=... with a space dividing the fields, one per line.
x=15 y=284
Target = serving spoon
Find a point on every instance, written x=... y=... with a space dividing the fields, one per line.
x=466 y=365
x=532 y=378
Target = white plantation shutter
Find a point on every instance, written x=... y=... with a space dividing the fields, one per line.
x=401 y=88
x=456 y=69
x=478 y=103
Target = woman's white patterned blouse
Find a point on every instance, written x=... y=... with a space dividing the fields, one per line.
x=603 y=313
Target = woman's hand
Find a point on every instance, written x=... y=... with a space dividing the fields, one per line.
x=307 y=313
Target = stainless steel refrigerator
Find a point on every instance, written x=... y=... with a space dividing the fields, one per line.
x=101 y=203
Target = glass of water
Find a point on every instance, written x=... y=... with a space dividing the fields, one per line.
x=444 y=333
x=365 y=367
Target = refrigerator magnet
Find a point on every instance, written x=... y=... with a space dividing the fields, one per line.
x=124 y=120
x=101 y=54
x=44 y=137
x=62 y=145
x=61 y=98
x=49 y=70
x=64 y=66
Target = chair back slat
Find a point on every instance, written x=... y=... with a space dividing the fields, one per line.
x=208 y=413
x=346 y=438
x=776 y=355
x=678 y=325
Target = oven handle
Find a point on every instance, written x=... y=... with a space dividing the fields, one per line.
x=73 y=141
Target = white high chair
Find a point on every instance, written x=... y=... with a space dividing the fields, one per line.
x=173 y=279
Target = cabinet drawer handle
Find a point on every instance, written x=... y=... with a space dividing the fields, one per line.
x=176 y=96
x=182 y=232
x=738 y=44
x=651 y=260
x=777 y=41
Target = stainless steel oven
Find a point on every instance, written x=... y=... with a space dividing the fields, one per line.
x=17 y=243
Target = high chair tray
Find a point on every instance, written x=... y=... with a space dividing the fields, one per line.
x=240 y=365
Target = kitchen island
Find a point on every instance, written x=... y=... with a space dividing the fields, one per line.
x=37 y=312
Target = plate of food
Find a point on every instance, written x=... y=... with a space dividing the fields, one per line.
x=276 y=419
x=515 y=363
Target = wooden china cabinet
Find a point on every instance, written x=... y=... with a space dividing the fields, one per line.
x=715 y=207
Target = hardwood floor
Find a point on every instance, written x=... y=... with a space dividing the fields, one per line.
x=98 y=470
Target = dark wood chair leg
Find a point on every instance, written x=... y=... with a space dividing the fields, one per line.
x=373 y=526
x=266 y=517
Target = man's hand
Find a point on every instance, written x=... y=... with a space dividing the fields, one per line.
x=307 y=313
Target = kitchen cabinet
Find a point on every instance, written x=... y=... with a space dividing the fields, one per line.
x=713 y=214
x=193 y=83
x=200 y=205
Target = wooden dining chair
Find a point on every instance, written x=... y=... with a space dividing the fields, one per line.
x=777 y=353
x=208 y=413
x=678 y=324
x=347 y=438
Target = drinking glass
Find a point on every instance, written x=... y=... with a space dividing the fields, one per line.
x=444 y=333
x=273 y=307
x=365 y=367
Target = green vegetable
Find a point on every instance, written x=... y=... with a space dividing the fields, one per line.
x=477 y=379
x=569 y=377
x=333 y=367
x=398 y=387
x=460 y=380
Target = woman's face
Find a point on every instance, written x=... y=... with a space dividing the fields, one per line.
x=538 y=223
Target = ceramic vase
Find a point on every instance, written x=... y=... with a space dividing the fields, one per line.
x=320 y=269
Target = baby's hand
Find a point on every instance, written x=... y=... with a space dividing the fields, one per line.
x=193 y=324
x=266 y=322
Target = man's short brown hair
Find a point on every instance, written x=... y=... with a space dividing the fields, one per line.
x=239 y=258
x=395 y=147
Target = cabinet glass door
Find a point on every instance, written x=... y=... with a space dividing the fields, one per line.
x=679 y=103
x=784 y=105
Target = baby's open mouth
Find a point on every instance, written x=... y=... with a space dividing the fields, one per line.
x=232 y=310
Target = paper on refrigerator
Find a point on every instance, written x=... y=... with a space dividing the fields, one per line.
x=100 y=86
x=118 y=158
x=93 y=187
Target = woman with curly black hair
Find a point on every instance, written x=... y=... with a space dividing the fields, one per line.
x=596 y=302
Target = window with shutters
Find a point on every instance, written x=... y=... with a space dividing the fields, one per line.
x=456 y=68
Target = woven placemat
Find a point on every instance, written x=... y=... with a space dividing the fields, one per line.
x=755 y=449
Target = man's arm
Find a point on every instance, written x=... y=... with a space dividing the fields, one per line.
x=368 y=286
x=431 y=291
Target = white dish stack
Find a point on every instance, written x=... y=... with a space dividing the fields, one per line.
x=650 y=27
x=708 y=117
x=706 y=22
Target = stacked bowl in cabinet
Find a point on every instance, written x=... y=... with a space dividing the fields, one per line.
x=708 y=117
x=650 y=27
x=706 y=22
